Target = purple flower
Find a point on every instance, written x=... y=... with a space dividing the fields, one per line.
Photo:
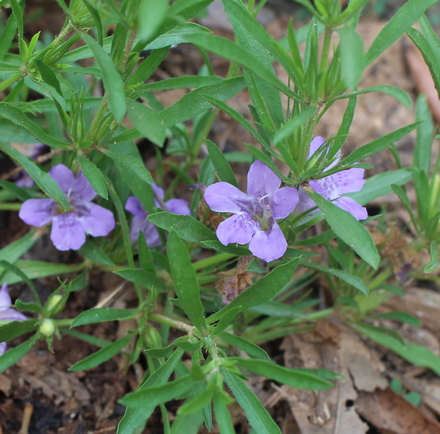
x=140 y=222
x=255 y=213
x=333 y=188
x=69 y=228
x=7 y=313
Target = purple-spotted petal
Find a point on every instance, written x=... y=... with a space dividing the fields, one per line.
x=63 y=176
x=5 y=298
x=2 y=348
x=11 y=315
x=98 y=222
x=347 y=181
x=237 y=229
x=67 y=232
x=82 y=188
x=357 y=211
x=224 y=197
x=134 y=206
x=37 y=212
x=178 y=206
x=284 y=201
x=262 y=181
x=269 y=245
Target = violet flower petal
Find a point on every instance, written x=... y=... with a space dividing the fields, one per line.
x=261 y=180
x=5 y=298
x=82 y=188
x=284 y=201
x=347 y=181
x=11 y=315
x=269 y=245
x=158 y=191
x=63 y=176
x=236 y=229
x=67 y=232
x=348 y=204
x=134 y=206
x=178 y=206
x=38 y=212
x=315 y=144
x=99 y=222
x=2 y=348
x=224 y=197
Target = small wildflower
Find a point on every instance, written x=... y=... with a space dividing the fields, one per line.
x=7 y=313
x=69 y=228
x=333 y=188
x=140 y=222
x=255 y=213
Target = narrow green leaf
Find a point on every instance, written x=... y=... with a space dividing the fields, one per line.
x=150 y=17
x=113 y=83
x=295 y=378
x=433 y=263
x=147 y=121
x=185 y=281
x=187 y=227
x=293 y=124
x=103 y=354
x=404 y=317
x=222 y=168
x=184 y=82
x=261 y=291
x=102 y=315
x=425 y=133
x=346 y=227
x=404 y=18
x=91 y=251
x=156 y=395
x=145 y=279
x=132 y=164
x=222 y=415
x=258 y=417
x=93 y=175
x=145 y=258
x=15 y=354
x=244 y=345
x=415 y=354
x=16 y=249
x=352 y=56
x=13 y=329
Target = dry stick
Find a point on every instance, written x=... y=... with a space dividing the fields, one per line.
x=27 y=414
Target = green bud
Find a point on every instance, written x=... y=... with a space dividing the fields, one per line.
x=54 y=305
x=47 y=327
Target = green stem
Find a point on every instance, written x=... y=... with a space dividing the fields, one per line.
x=180 y=325
x=64 y=322
x=212 y=260
x=11 y=80
x=10 y=206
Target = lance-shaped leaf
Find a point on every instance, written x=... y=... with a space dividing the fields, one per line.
x=102 y=315
x=185 y=281
x=15 y=354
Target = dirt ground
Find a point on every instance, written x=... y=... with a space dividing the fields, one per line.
x=40 y=394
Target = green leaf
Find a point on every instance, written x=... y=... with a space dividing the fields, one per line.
x=341 y=274
x=131 y=164
x=433 y=263
x=352 y=56
x=425 y=132
x=261 y=291
x=295 y=378
x=93 y=175
x=415 y=354
x=133 y=418
x=18 y=192
x=113 y=83
x=177 y=35
x=404 y=18
x=195 y=103
x=185 y=82
x=15 y=354
x=244 y=345
x=185 y=281
x=155 y=395
x=181 y=342
x=102 y=315
x=17 y=271
x=150 y=17
x=348 y=229
x=186 y=227
x=13 y=329
x=377 y=145
x=257 y=415
x=379 y=185
x=91 y=251
x=222 y=415
x=103 y=354
x=42 y=179
x=293 y=124
x=399 y=316
x=147 y=121
x=19 y=247
x=145 y=279
x=222 y=167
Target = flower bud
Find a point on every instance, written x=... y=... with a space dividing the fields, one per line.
x=54 y=305
x=47 y=327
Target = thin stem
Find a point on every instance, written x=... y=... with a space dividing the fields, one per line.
x=10 y=206
x=11 y=80
x=171 y=322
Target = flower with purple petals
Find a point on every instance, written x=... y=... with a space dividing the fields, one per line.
x=69 y=228
x=140 y=222
x=255 y=213
x=333 y=188
x=7 y=313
